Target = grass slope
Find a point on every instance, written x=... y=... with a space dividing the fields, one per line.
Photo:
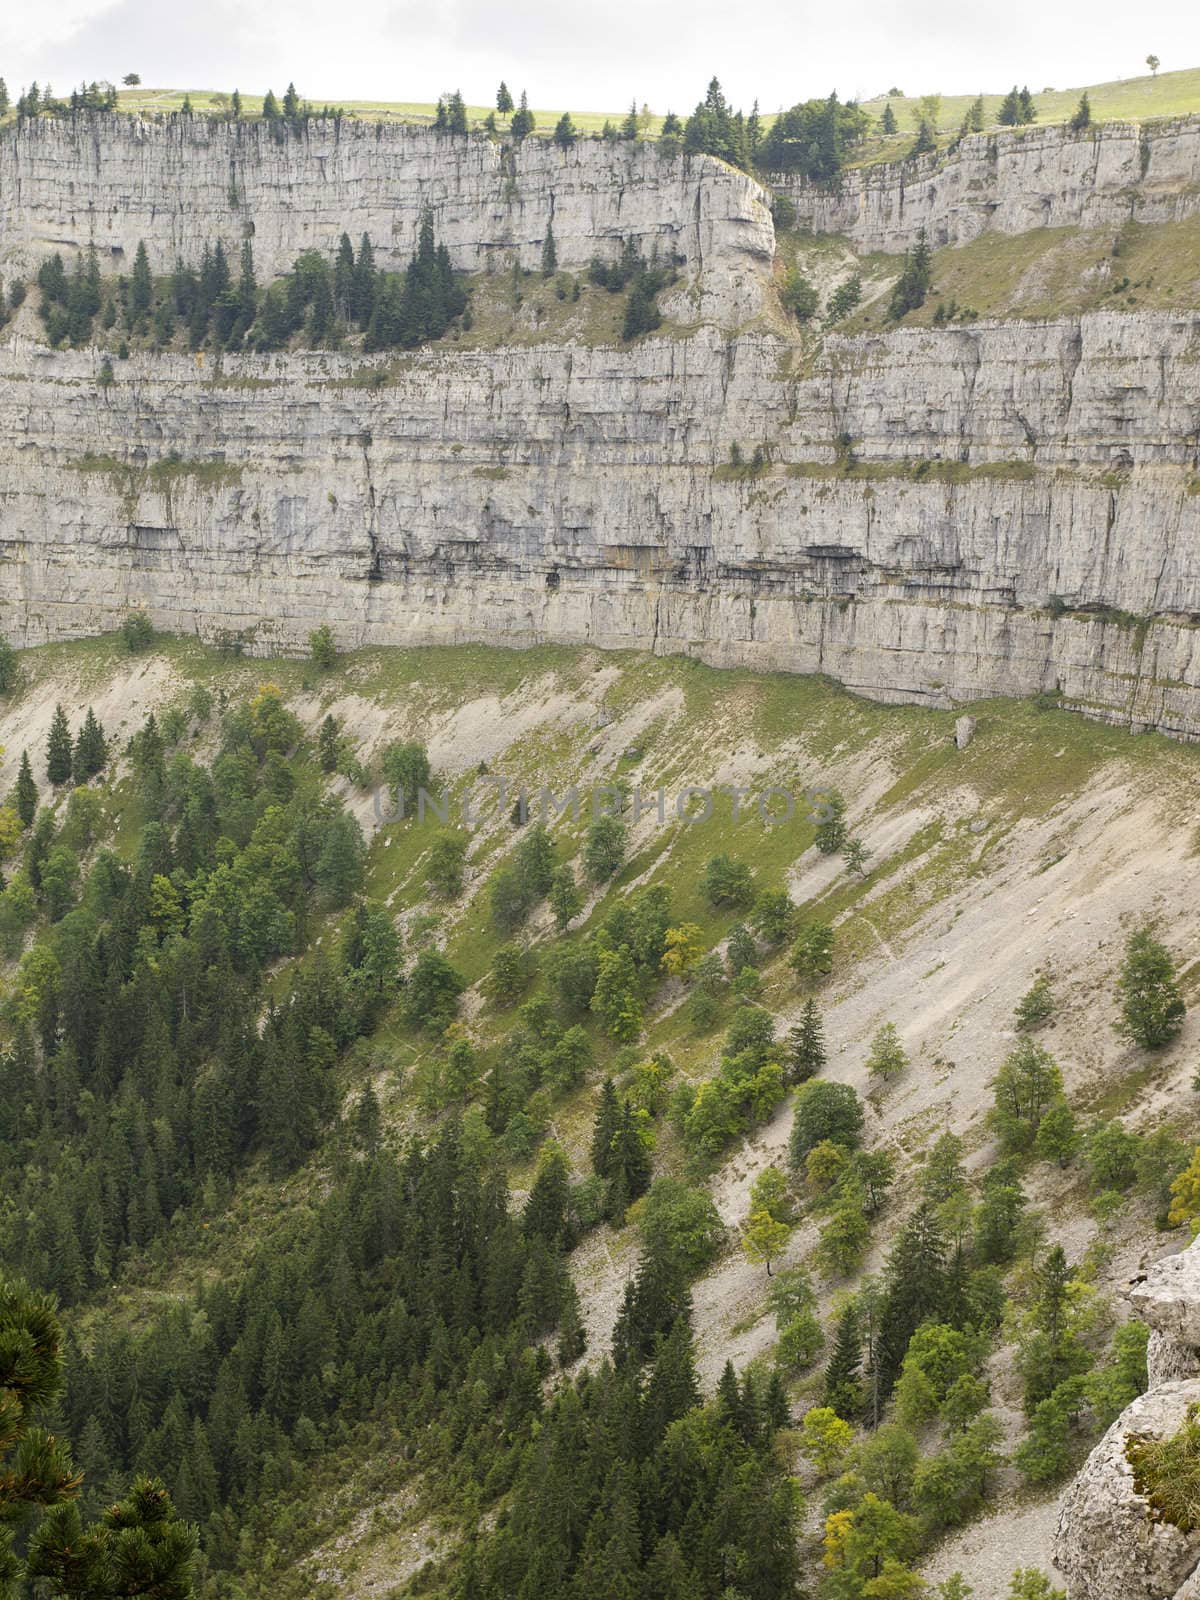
x=1168 y=94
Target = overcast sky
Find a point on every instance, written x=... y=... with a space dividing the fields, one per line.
x=594 y=56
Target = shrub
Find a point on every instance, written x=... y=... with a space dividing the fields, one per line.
x=682 y=1223
x=137 y=631
x=824 y=1110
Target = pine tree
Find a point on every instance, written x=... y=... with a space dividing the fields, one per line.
x=504 y=100
x=1010 y=109
x=805 y=1046
x=270 y=108
x=887 y=123
x=522 y=124
x=362 y=292
x=912 y=286
x=247 y=291
x=27 y=795
x=327 y=745
x=91 y=749
x=1027 y=111
x=58 y=749
x=565 y=901
x=975 y=115
x=141 y=285
x=843 y=1386
x=604 y=1129
x=549 y=253
x=564 y=132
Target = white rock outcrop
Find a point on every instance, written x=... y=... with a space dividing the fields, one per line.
x=936 y=515
x=181 y=183
x=1022 y=517
x=1011 y=181
x=1109 y=1545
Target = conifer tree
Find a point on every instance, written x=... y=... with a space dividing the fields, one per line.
x=141 y=286
x=59 y=749
x=327 y=745
x=805 y=1048
x=549 y=253
x=504 y=100
x=91 y=749
x=604 y=1129
x=522 y=124
x=843 y=1386
x=564 y=132
x=27 y=794
x=887 y=123
x=1010 y=109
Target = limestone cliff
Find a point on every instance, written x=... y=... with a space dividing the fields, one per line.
x=935 y=515
x=1011 y=181
x=1109 y=1545
x=184 y=182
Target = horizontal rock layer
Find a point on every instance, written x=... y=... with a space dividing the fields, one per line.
x=1012 y=181
x=184 y=182
x=1019 y=512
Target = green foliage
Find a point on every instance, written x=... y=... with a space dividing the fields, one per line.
x=1030 y=1584
x=59 y=749
x=825 y=1439
x=137 y=1549
x=887 y=1057
x=1083 y=114
x=1036 y=1005
x=513 y=970
x=844 y=299
x=322 y=647
x=137 y=632
x=727 y=883
x=1016 y=109
x=799 y=296
x=432 y=993
x=682 y=1223
x=804 y=1049
x=824 y=1110
x=811 y=957
x=746 y=1089
x=913 y=284
x=1152 y=1008
x=9 y=668
x=814 y=138
x=830 y=838
x=1167 y=1472
x=444 y=869
x=604 y=848
x=26 y=791
x=1057 y=1137
x=1028 y=1085
x=1110 y=1153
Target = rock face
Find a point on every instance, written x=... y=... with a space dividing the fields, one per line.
x=1022 y=496
x=1010 y=181
x=926 y=515
x=184 y=182
x=1109 y=1546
